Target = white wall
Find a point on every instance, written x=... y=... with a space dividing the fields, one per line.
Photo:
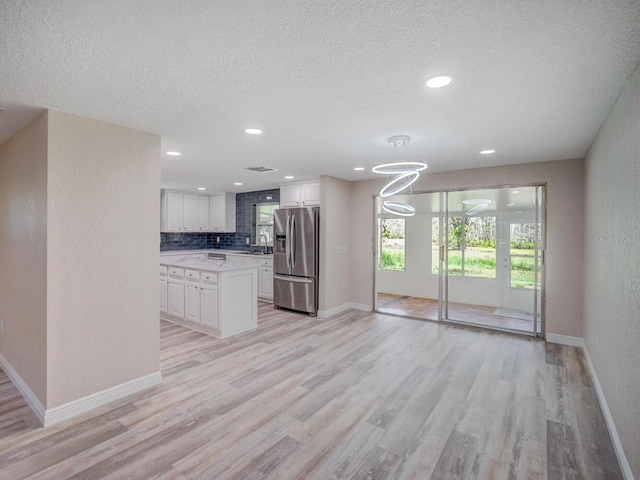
x=565 y=216
x=335 y=195
x=102 y=256
x=23 y=259
x=612 y=261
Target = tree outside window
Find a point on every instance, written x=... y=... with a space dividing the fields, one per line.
x=472 y=246
x=391 y=251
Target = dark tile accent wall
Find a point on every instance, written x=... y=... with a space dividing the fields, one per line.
x=184 y=241
x=234 y=241
x=244 y=201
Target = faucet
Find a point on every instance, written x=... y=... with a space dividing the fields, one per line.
x=264 y=248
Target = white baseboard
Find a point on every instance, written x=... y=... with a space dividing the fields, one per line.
x=565 y=340
x=342 y=308
x=608 y=418
x=81 y=405
x=34 y=403
x=95 y=400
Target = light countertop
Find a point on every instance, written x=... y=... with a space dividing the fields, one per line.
x=239 y=260
x=209 y=265
x=243 y=253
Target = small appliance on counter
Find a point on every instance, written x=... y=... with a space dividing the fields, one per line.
x=295 y=259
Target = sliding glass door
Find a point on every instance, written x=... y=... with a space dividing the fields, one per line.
x=466 y=256
x=493 y=258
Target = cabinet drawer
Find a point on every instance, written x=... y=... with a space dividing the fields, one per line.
x=176 y=272
x=163 y=270
x=266 y=262
x=192 y=275
x=210 y=278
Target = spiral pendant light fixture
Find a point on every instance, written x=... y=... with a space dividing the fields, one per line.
x=405 y=174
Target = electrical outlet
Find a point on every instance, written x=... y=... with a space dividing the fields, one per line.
x=1 y=325
x=247 y=241
x=217 y=239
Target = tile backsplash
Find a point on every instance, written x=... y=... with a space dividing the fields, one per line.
x=235 y=241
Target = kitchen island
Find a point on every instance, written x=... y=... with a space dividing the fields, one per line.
x=218 y=297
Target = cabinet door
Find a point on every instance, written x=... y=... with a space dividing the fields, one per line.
x=192 y=302
x=203 y=213
x=290 y=195
x=163 y=294
x=190 y=212
x=175 y=211
x=209 y=306
x=310 y=194
x=175 y=298
x=266 y=282
x=217 y=213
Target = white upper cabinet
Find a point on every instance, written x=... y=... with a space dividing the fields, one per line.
x=222 y=212
x=310 y=194
x=190 y=212
x=203 y=213
x=172 y=212
x=300 y=194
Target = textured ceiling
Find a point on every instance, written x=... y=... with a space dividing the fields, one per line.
x=327 y=81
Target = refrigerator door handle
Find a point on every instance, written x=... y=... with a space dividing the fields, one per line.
x=293 y=279
x=287 y=242
x=293 y=241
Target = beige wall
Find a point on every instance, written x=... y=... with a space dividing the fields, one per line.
x=23 y=236
x=335 y=195
x=102 y=249
x=612 y=256
x=565 y=217
x=78 y=247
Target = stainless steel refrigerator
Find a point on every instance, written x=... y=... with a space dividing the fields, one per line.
x=295 y=259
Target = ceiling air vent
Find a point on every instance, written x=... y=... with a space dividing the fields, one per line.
x=262 y=169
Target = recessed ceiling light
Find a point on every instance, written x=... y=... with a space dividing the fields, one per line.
x=515 y=192
x=438 y=82
x=288 y=177
x=174 y=154
x=201 y=188
x=358 y=169
x=237 y=184
x=487 y=152
x=510 y=204
x=253 y=131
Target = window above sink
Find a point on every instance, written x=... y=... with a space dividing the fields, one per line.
x=262 y=223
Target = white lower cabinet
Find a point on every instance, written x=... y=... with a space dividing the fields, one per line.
x=163 y=288
x=175 y=298
x=192 y=302
x=265 y=280
x=221 y=304
x=209 y=305
x=175 y=292
x=192 y=296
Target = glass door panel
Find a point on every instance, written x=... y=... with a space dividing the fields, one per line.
x=405 y=260
x=493 y=252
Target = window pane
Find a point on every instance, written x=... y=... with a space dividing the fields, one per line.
x=472 y=246
x=480 y=247
x=391 y=232
x=435 y=248
x=522 y=249
x=266 y=214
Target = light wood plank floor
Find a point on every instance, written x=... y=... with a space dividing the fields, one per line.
x=356 y=396
x=427 y=308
